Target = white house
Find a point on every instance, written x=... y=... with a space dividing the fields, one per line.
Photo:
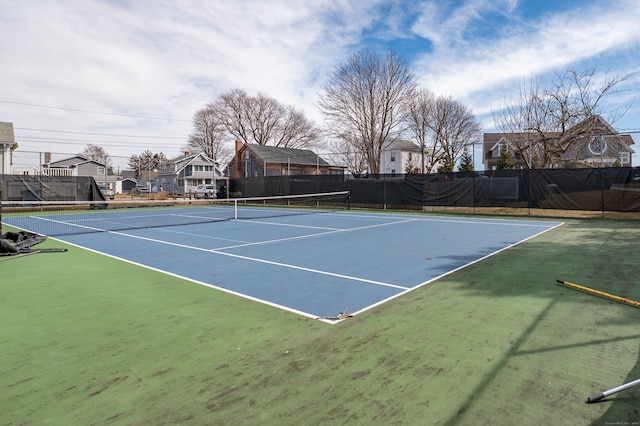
x=400 y=155
x=182 y=174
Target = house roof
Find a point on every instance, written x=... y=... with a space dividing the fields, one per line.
x=185 y=160
x=401 y=145
x=6 y=133
x=594 y=125
x=185 y=157
x=274 y=154
x=73 y=162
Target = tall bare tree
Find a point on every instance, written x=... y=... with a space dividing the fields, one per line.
x=296 y=131
x=419 y=112
x=232 y=108
x=454 y=128
x=549 y=125
x=209 y=134
x=263 y=120
x=362 y=102
x=348 y=156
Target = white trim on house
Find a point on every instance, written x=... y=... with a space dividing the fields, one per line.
x=182 y=174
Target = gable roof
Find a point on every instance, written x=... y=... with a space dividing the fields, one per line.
x=74 y=161
x=401 y=145
x=592 y=125
x=186 y=159
x=503 y=141
x=274 y=154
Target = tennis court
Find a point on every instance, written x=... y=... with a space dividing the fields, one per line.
x=316 y=261
x=91 y=339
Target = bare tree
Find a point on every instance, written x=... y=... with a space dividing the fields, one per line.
x=232 y=109
x=454 y=128
x=548 y=126
x=97 y=153
x=348 y=156
x=296 y=131
x=362 y=102
x=209 y=134
x=419 y=111
x=263 y=120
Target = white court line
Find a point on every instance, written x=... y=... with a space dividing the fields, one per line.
x=242 y=243
x=183 y=277
x=254 y=259
x=300 y=237
x=429 y=281
x=331 y=231
x=488 y=221
x=208 y=237
x=292 y=225
x=404 y=288
x=60 y=222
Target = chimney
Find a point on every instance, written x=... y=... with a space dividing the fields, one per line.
x=186 y=153
x=238 y=168
x=47 y=157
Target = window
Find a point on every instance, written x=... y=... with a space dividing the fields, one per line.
x=625 y=157
x=393 y=156
x=597 y=146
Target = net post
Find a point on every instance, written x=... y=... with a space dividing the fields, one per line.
x=235 y=209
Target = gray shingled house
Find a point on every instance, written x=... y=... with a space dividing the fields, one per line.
x=252 y=160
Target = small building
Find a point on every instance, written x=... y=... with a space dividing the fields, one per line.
x=252 y=160
x=80 y=165
x=74 y=166
x=182 y=174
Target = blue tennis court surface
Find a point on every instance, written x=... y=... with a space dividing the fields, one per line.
x=317 y=265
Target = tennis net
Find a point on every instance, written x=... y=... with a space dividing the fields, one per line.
x=58 y=218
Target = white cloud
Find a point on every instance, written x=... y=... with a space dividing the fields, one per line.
x=445 y=25
x=166 y=59
x=160 y=59
x=473 y=71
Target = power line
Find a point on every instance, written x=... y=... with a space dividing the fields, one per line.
x=44 y=139
x=95 y=112
x=113 y=144
x=98 y=134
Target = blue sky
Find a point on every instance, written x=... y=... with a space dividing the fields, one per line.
x=128 y=75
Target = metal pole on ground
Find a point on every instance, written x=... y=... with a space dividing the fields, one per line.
x=598 y=397
x=601 y=293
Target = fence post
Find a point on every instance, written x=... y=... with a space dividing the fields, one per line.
x=384 y=190
x=602 y=185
